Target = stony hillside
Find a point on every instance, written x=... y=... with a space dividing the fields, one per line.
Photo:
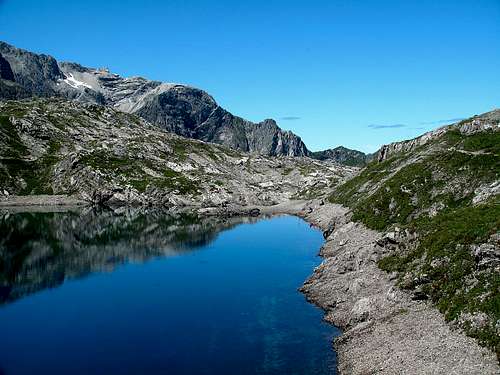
x=181 y=109
x=437 y=198
x=104 y=156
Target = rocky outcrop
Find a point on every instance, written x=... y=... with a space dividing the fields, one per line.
x=386 y=151
x=9 y=89
x=267 y=138
x=177 y=108
x=489 y=121
x=436 y=197
x=485 y=122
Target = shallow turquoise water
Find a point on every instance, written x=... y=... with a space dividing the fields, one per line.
x=98 y=294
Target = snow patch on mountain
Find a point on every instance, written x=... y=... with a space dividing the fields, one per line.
x=73 y=82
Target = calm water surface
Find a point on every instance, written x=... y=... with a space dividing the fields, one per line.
x=99 y=293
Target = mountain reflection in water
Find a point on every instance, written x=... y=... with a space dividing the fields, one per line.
x=40 y=250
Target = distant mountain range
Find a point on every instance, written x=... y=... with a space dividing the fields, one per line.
x=344 y=156
x=184 y=110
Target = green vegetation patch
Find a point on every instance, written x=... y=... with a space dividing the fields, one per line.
x=132 y=171
x=10 y=141
x=180 y=147
x=397 y=199
x=183 y=147
x=175 y=181
x=351 y=191
x=28 y=177
x=306 y=169
x=380 y=197
x=486 y=141
x=106 y=161
x=312 y=192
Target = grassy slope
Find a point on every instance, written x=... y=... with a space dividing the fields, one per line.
x=24 y=173
x=15 y=163
x=429 y=192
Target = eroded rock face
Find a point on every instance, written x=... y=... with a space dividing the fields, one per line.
x=485 y=191
x=487 y=255
x=181 y=109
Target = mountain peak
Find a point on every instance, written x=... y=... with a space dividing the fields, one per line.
x=178 y=108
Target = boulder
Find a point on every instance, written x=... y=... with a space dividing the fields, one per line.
x=361 y=310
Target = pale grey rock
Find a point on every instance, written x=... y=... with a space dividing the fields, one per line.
x=361 y=309
x=485 y=191
x=487 y=254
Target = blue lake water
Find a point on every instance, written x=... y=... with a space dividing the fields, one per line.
x=99 y=293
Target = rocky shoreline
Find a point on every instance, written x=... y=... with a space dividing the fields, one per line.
x=385 y=330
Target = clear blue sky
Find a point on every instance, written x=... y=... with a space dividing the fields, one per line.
x=353 y=73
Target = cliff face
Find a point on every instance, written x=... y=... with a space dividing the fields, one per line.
x=181 y=109
x=35 y=73
x=5 y=70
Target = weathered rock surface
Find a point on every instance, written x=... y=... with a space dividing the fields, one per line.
x=94 y=149
x=436 y=198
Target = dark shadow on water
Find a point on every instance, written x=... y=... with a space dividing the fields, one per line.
x=40 y=250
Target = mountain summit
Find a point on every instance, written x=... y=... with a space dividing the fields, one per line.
x=181 y=109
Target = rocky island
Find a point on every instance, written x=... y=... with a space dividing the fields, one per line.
x=411 y=270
